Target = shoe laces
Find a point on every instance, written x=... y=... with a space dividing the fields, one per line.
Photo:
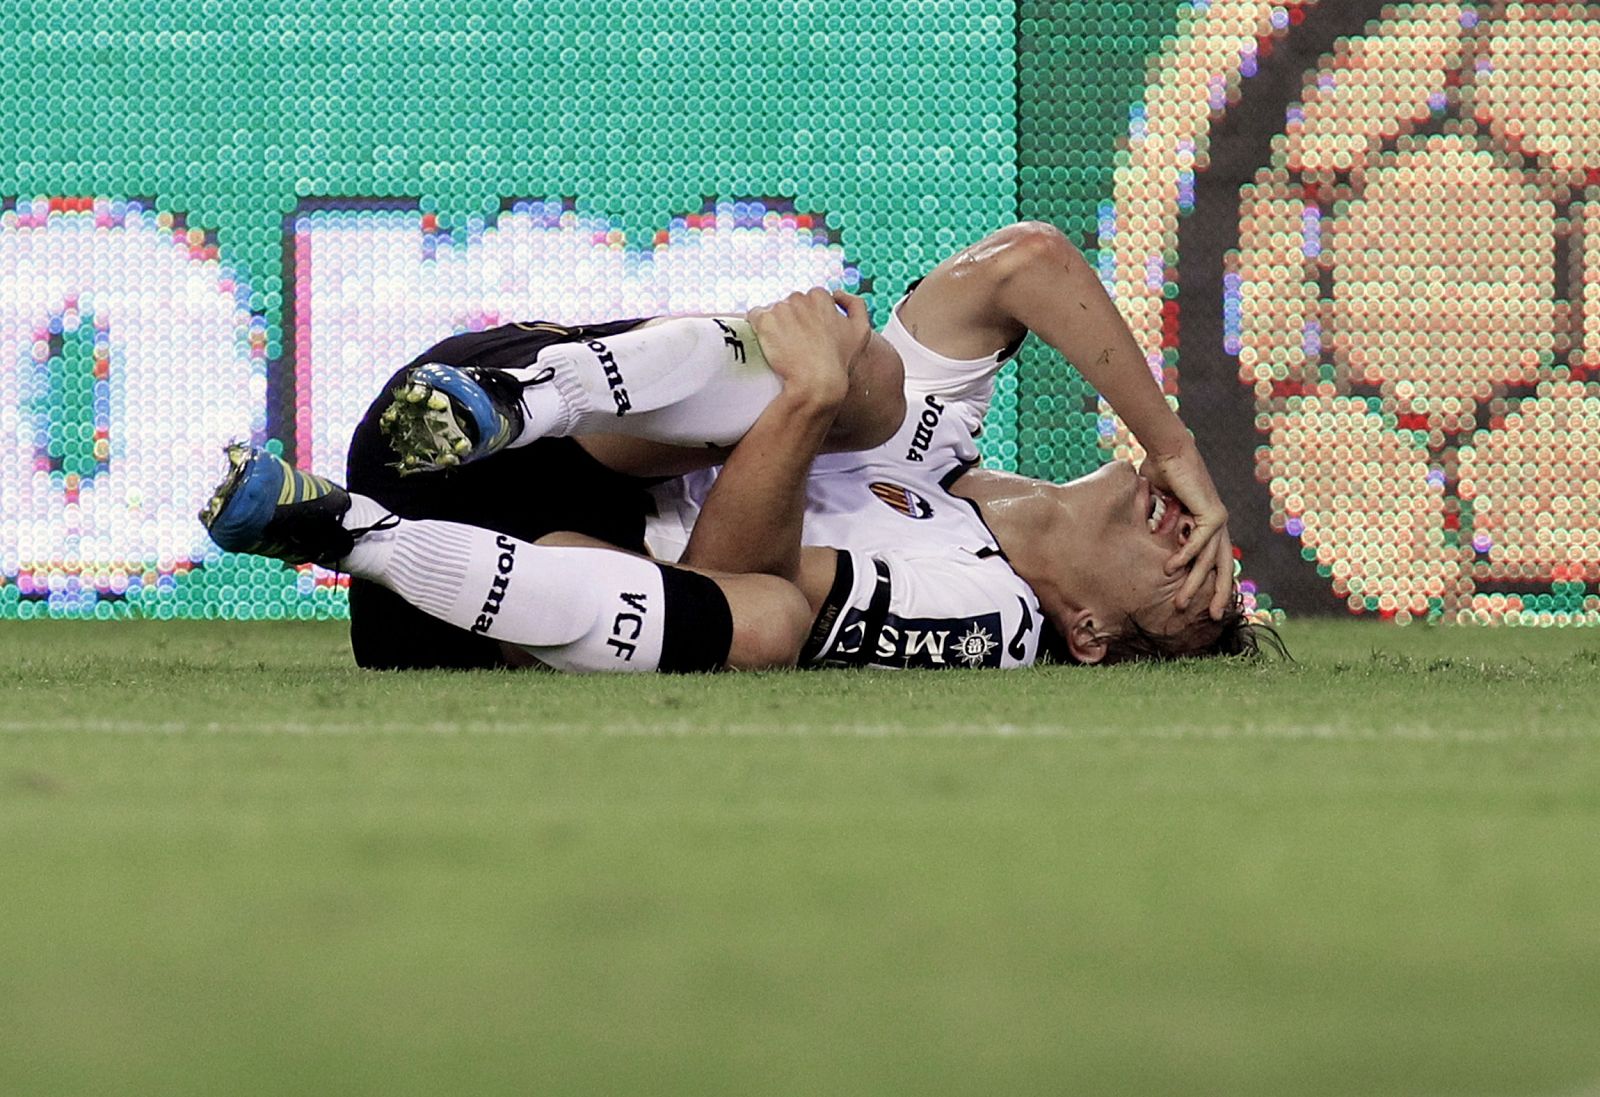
x=504 y=387
x=387 y=522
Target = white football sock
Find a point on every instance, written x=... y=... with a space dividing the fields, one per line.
x=574 y=609
x=690 y=381
x=371 y=552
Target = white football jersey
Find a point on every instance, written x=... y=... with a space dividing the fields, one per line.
x=921 y=580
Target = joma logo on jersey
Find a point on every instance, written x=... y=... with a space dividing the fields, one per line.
x=608 y=364
x=902 y=499
x=498 y=585
x=922 y=438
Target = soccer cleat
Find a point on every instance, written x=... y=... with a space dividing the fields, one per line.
x=444 y=416
x=267 y=507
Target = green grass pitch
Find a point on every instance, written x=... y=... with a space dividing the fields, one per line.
x=231 y=864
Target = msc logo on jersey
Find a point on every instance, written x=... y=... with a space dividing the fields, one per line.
x=902 y=499
x=929 y=643
x=973 y=646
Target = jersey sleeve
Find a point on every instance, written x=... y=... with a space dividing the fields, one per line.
x=934 y=610
x=966 y=386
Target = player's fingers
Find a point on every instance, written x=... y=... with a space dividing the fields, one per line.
x=857 y=321
x=1210 y=578
x=1180 y=559
x=1197 y=577
x=1222 y=594
x=821 y=299
x=1204 y=532
x=854 y=307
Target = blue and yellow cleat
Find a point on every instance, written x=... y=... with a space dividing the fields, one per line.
x=267 y=507
x=444 y=416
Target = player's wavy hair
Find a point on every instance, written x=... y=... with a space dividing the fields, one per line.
x=1235 y=635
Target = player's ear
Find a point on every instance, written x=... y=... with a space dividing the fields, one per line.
x=1084 y=639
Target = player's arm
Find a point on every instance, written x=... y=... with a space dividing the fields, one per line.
x=1029 y=277
x=752 y=518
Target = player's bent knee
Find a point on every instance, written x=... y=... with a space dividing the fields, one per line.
x=876 y=404
x=771 y=619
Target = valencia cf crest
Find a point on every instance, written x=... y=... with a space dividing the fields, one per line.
x=904 y=500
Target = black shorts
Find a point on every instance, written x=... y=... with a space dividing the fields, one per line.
x=549 y=486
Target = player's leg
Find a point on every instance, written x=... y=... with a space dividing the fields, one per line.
x=526 y=493
x=688 y=381
x=571 y=607
x=692 y=382
x=872 y=411
x=770 y=616
x=583 y=608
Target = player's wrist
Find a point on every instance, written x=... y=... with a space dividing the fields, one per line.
x=815 y=395
x=1168 y=443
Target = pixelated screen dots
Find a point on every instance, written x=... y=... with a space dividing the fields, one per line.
x=1423 y=316
x=1365 y=503
x=1272 y=307
x=1435 y=247
x=1533 y=484
x=1589 y=219
x=373 y=288
x=1168 y=140
x=1443 y=275
x=1079 y=69
x=128 y=358
x=1538 y=83
x=1377 y=86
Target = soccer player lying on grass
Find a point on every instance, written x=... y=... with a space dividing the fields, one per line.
x=505 y=489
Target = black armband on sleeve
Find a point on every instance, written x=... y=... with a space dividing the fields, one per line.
x=838 y=597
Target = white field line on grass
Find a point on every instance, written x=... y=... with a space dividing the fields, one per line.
x=1585 y=1091
x=779 y=729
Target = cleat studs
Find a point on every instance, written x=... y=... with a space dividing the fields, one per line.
x=415 y=394
x=462 y=447
x=446 y=460
x=438 y=402
x=390 y=414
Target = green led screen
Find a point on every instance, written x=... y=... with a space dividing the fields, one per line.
x=228 y=219
x=175 y=169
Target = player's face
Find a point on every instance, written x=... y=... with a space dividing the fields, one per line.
x=1135 y=528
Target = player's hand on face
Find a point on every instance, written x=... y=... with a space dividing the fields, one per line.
x=1210 y=548
x=810 y=343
